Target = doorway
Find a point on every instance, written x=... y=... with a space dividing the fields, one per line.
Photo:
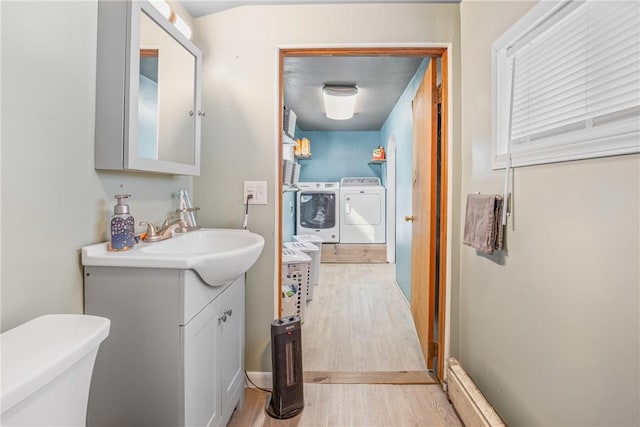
x=436 y=286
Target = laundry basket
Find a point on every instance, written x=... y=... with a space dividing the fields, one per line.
x=295 y=282
x=310 y=238
x=313 y=252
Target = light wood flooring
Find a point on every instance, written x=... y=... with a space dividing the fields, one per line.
x=361 y=405
x=358 y=325
x=359 y=320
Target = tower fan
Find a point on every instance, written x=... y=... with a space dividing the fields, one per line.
x=287 y=396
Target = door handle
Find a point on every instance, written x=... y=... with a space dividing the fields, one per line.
x=409 y=218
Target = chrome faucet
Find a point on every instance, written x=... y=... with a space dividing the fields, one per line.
x=165 y=231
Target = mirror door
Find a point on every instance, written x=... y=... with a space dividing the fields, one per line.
x=164 y=97
x=166 y=102
x=148 y=83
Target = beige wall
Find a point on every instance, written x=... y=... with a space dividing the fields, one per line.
x=53 y=201
x=240 y=98
x=550 y=332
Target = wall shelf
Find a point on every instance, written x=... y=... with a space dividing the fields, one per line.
x=290 y=188
x=303 y=157
x=377 y=162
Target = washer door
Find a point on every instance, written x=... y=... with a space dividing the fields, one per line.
x=317 y=210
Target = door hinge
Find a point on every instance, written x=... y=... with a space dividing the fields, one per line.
x=433 y=349
x=437 y=95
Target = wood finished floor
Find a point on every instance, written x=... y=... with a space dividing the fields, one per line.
x=356 y=405
x=358 y=321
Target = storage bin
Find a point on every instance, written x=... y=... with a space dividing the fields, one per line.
x=295 y=176
x=295 y=282
x=313 y=252
x=310 y=238
x=287 y=171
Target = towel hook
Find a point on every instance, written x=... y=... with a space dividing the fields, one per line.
x=507 y=168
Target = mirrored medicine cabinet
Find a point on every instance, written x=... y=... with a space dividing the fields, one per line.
x=148 y=80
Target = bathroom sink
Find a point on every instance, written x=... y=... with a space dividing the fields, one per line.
x=218 y=255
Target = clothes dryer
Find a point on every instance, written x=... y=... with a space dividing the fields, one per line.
x=318 y=207
x=362 y=210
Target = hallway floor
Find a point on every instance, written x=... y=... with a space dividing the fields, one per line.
x=356 y=405
x=358 y=321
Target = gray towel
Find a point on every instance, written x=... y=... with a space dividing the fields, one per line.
x=482 y=225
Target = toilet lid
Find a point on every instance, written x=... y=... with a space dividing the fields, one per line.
x=39 y=350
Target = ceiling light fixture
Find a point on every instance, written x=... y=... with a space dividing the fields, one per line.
x=163 y=7
x=339 y=101
x=182 y=27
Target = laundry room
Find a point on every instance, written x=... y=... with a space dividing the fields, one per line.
x=347 y=187
x=341 y=161
x=374 y=142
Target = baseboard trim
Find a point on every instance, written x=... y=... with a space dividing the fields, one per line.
x=468 y=401
x=260 y=379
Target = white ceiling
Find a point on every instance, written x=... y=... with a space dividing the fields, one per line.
x=198 y=8
x=380 y=80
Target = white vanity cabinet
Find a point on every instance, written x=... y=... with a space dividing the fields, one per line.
x=219 y=326
x=175 y=356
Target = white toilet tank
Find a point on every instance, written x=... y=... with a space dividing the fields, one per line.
x=47 y=365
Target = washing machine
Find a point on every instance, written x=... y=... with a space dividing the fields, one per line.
x=318 y=210
x=362 y=210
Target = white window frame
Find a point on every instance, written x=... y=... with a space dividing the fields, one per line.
x=623 y=138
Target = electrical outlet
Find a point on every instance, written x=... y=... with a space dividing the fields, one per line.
x=258 y=191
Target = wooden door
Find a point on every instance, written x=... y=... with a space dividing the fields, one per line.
x=423 y=243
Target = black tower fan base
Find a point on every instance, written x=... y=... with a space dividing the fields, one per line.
x=287 y=395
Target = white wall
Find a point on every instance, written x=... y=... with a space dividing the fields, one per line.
x=53 y=201
x=240 y=97
x=550 y=332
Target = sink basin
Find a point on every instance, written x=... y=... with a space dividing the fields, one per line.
x=218 y=255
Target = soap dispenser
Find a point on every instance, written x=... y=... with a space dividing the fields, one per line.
x=122 y=225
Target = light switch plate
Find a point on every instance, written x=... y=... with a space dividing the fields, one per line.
x=259 y=191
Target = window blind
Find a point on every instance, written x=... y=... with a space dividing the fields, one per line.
x=576 y=78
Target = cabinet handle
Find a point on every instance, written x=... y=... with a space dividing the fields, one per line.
x=228 y=312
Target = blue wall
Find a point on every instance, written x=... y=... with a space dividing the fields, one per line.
x=339 y=154
x=400 y=124
x=288 y=216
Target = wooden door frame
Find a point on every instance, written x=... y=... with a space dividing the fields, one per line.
x=439 y=50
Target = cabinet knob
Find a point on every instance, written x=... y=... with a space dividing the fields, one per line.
x=409 y=218
x=223 y=318
x=201 y=113
x=228 y=312
x=191 y=113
